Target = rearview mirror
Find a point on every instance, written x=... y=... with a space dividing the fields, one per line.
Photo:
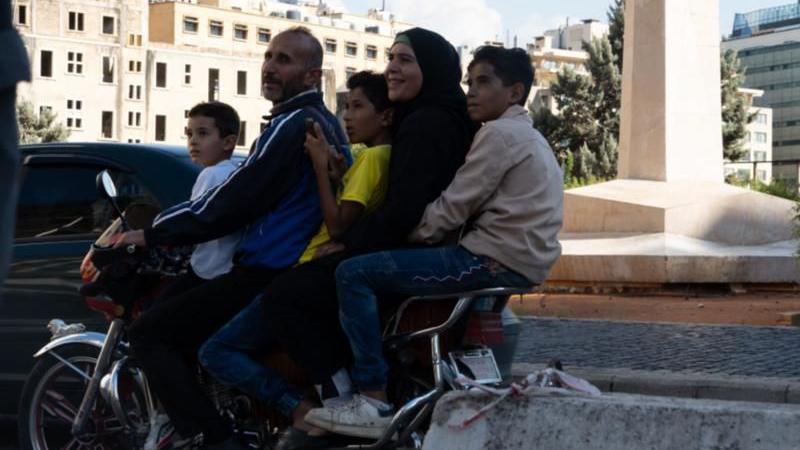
x=106 y=185
x=107 y=189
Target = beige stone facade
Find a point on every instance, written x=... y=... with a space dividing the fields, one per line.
x=129 y=70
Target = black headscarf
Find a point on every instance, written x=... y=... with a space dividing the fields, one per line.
x=441 y=76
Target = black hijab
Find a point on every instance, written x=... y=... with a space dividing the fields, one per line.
x=441 y=77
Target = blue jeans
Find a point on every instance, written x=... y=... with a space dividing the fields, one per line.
x=226 y=356
x=431 y=271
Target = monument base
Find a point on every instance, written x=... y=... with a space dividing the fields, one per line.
x=635 y=231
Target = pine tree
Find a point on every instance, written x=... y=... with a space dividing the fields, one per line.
x=616 y=30
x=735 y=115
x=576 y=100
x=34 y=129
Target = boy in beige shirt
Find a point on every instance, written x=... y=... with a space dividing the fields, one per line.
x=508 y=195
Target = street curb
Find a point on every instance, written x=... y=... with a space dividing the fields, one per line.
x=686 y=385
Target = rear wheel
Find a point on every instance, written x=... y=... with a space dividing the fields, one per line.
x=51 y=398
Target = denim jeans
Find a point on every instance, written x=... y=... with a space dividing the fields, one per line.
x=226 y=356
x=431 y=271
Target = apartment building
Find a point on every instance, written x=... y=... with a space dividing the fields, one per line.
x=557 y=50
x=83 y=56
x=129 y=70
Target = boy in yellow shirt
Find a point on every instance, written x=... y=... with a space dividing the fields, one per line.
x=368 y=120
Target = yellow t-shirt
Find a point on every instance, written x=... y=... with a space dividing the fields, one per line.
x=364 y=182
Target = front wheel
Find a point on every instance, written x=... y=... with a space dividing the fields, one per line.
x=51 y=398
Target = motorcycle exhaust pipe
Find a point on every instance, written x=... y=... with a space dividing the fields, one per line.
x=109 y=390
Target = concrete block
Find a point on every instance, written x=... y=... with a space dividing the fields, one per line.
x=560 y=420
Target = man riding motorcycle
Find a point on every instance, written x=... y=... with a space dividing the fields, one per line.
x=274 y=197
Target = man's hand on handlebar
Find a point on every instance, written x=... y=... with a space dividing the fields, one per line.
x=135 y=237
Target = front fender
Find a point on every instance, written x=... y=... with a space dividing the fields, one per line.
x=88 y=338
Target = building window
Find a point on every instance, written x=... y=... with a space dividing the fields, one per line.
x=351 y=49
x=330 y=45
x=213 y=84
x=134 y=119
x=185 y=113
x=108 y=24
x=134 y=66
x=762 y=175
x=190 y=25
x=45 y=110
x=761 y=118
x=75 y=21
x=349 y=72
x=134 y=92
x=240 y=32
x=46 y=63
x=135 y=40
x=761 y=137
x=161 y=128
x=107 y=124
x=372 y=52
x=387 y=53
x=108 y=69
x=759 y=156
x=74 y=62
x=74 y=111
x=241 y=82
x=187 y=74
x=22 y=14
x=161 y=74
x=264 y=35
x=242 y=133
x=215 y=28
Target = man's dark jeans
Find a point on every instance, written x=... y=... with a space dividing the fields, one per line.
x=165 y=340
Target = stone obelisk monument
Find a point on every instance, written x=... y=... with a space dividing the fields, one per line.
x=669 y=216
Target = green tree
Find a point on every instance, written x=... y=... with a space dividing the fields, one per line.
x=735 y=114
x=576 y=100
x=42 y=128
x=616 y=30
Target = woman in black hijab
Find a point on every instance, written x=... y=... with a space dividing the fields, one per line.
x=432 y=134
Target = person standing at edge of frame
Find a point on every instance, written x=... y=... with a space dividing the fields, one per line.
x=14 y=68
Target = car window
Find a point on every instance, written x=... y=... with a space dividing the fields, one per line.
x=62 y=201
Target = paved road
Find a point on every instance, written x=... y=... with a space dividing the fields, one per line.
x=732 y=350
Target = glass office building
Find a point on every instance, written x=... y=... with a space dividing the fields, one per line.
x=768 y=44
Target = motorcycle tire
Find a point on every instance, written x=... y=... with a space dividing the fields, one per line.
x=51 y=397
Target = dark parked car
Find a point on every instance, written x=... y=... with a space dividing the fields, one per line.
x=60 y=213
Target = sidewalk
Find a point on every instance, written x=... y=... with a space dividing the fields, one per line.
x=729 y=362
x=710 y=305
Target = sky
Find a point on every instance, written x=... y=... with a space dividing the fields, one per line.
x=475 y=21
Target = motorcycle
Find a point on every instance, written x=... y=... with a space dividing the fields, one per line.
x=87 y=392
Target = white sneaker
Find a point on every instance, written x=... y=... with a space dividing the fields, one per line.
x=358 y=417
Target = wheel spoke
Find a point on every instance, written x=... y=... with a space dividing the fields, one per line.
x=69 y=444
x=59 y=407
